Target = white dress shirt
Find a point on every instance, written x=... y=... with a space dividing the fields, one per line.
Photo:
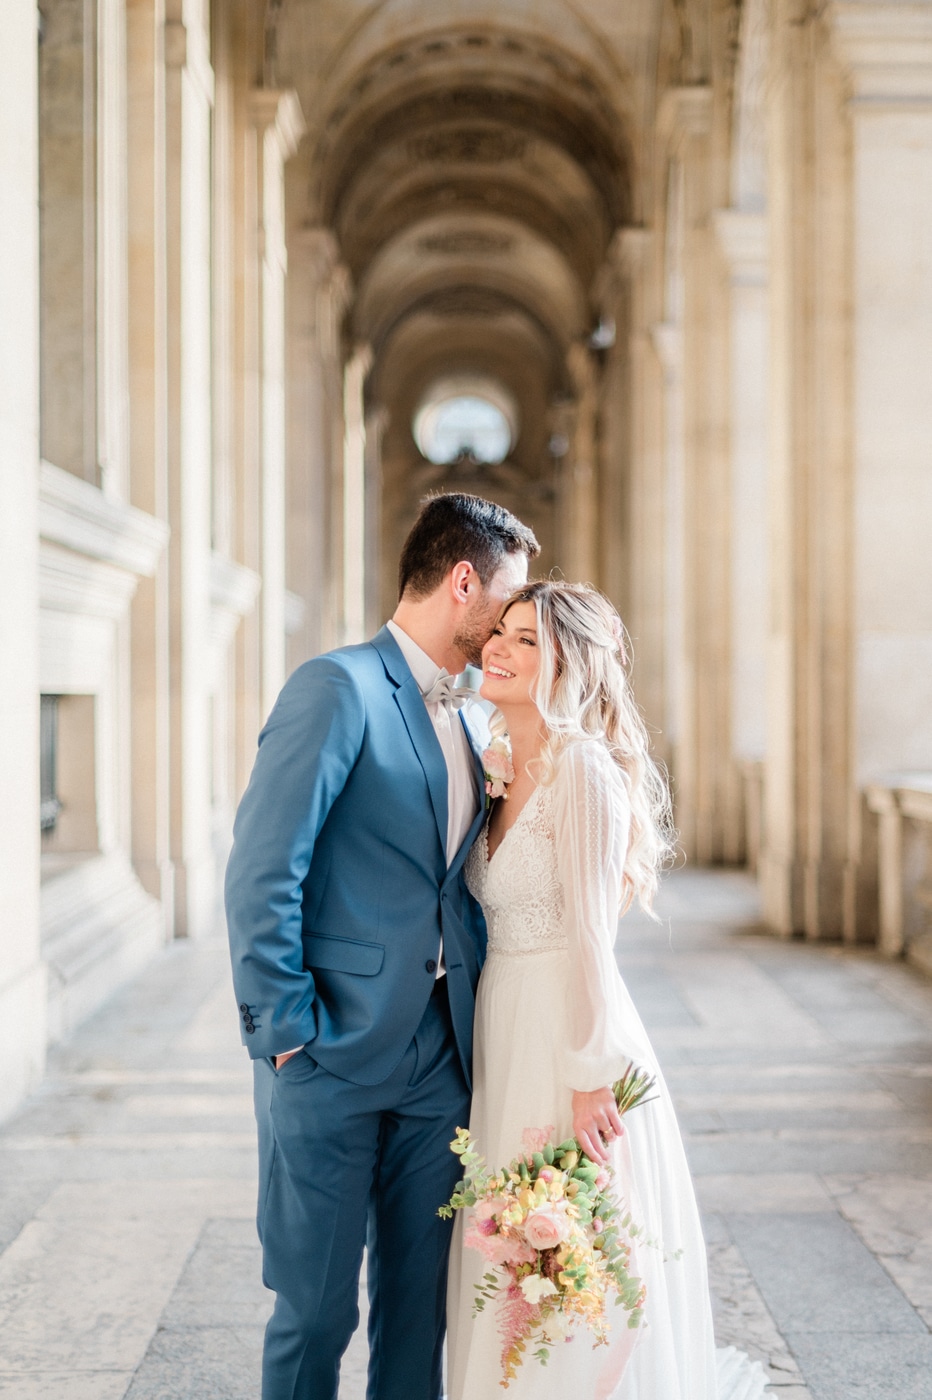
x=462 y=788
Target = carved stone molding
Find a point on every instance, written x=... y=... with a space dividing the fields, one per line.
x=684 y=112
x=79 y=516
x=743 y=241
x=886 y=50
x=186 y=47
x=485 y=145
x=270 y=107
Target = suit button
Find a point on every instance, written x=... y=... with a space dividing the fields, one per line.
x=244 y=1006
x=431 y=965
x=250 y=1029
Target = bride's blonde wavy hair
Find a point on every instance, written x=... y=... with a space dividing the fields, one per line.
x=582 y=692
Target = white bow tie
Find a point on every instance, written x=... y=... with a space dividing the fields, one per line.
x=445 y=692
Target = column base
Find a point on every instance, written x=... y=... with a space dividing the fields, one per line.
x=99 y=928
x=22 y=1036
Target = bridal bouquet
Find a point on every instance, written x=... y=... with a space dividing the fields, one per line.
x=557 y=1237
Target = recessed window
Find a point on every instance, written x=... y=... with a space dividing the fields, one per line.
x=465 y=418
x=50 y=806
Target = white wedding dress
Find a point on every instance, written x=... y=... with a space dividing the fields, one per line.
x=553 y=1015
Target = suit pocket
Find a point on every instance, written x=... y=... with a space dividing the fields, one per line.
x=343 y=955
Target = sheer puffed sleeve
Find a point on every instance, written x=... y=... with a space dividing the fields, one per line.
x=590 y=810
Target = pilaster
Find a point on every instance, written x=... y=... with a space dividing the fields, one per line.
x=147 y=445
x=319 y=293
x=807 y=862
x=633 y=399
x=278 y=126
x=578 y=555
x=189 y=96
x=356 y=565
x=698 y=477
x=22 y=974
x=743 y=242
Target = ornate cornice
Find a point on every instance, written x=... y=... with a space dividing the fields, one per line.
x=79 y=516
x=885 y=49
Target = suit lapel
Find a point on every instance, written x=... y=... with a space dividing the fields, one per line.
x=479 y=818
x=410 y=702
x=427 y=747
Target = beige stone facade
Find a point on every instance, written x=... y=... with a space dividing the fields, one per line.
x=685 y=247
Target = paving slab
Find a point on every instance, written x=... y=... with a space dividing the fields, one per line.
x=853 y=1367
x=803 y=1079
x=817 y=1275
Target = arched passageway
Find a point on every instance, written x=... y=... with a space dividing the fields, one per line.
x=473 y=182
x=254 y=250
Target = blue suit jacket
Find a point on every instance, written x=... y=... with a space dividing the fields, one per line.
x=337 y=888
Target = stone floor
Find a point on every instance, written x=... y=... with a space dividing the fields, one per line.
x=803 y=1076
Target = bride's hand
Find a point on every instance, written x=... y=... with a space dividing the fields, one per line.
x=596 y=1120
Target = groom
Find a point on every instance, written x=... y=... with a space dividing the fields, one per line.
x=356 y=951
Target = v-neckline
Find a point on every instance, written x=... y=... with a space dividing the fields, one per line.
x=515 y=824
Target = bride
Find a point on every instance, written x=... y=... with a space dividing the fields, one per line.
x=583 y=833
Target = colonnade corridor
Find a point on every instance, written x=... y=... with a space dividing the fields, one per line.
x=803 y=1080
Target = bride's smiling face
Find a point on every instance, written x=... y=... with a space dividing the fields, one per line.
x=510 y=658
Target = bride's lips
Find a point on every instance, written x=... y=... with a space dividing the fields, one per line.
x=499 y=674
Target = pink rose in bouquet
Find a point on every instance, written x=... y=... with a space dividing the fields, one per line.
x=548 y=1226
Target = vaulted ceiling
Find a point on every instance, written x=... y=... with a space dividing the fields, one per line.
x=473 y=161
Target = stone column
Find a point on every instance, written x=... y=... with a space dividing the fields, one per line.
x=148 y=460
x=809 y=856
x=579 y=554
x=376 y=423
x=22 y=975
x=705 y=779
x=279 y=127
x=633 y=430
x=318 y=287
x=189 y=95
x=68 y=149
x=356 y=565
x=111 y=252
x=886 y=53
x=742 y=237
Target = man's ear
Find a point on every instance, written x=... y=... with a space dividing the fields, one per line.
x=463 y=581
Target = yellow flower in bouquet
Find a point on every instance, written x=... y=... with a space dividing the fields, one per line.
x=557 y=1238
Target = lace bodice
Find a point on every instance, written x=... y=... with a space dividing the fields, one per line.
x=519 y=888
x=555 y=883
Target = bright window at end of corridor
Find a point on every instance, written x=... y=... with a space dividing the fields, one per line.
x=458 y=419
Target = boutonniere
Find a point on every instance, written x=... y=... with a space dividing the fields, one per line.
x=498 y=768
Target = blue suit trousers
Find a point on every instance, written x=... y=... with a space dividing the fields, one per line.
x=342 y=1165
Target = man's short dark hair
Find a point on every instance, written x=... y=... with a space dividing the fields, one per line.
x=453 y=527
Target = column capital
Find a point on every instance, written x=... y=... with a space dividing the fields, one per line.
x=318 y=249
x=186 y=47
x=684 y=112
x=885 y=49
x=281 y=109
x=742 y=241
x=626 y=257
x=630 y=248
